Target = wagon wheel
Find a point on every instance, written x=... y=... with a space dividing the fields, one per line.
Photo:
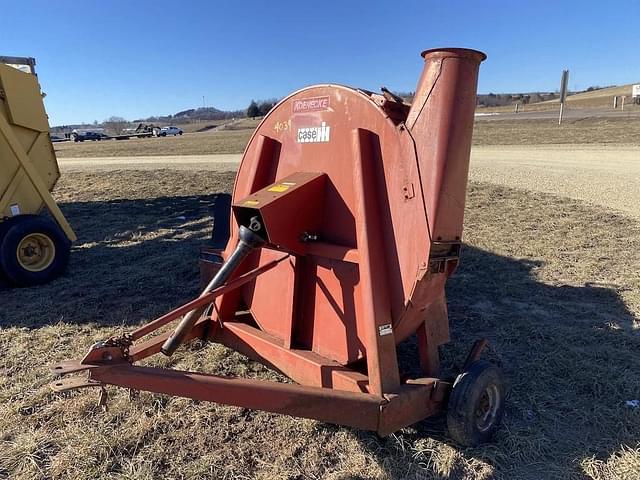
x=33 y=250
x=476 y=404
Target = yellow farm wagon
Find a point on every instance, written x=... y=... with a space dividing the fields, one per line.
x=35 y=237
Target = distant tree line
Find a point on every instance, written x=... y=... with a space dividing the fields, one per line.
x=598 y=87
x=260 y=108
x=116 y=125
x=501 y=99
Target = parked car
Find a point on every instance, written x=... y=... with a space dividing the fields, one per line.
x=82 y=136
x=166 y=131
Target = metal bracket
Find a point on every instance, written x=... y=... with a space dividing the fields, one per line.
x=101 y=354
x=113 y=350
x=442 y=253
x=103 y=398
x=474 y=353
x=73 y=383
x=69 y=366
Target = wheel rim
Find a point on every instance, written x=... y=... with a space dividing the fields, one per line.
x=36 y=252
x=487 y=409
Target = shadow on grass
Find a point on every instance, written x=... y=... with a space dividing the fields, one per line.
x=134 y=259
x=569 y=352
x=570 y=356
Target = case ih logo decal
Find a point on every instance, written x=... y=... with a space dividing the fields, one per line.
x=313 y=104
x=314 y=134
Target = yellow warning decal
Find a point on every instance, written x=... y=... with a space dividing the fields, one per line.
x=279 y=188
x=251 y=202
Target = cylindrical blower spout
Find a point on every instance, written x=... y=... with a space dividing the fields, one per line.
x=441 y=124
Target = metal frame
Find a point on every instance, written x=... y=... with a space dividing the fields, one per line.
x=354 y=400
x=29 y=61
x=27 y=168
x=376 y=400
x=361 y=387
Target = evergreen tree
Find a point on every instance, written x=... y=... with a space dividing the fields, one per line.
x=253 y=111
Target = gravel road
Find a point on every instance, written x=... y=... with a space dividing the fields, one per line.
x=218 y=163
x=602 y=175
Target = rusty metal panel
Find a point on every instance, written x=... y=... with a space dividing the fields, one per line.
x=414 y=402
x=286 y=209
x=303 y=366
x=420 y=170
x=359 y=410
x=441 y=122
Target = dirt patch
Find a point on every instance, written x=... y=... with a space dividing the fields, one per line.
x=552 y=283
x=216 y=163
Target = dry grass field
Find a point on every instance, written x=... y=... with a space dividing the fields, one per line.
x=229 y=138
x=553 y=284
x=593 y=130
x=224 y=141
x=233 y=139
x=601 y=98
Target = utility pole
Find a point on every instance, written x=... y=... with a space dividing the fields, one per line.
x=564 y=81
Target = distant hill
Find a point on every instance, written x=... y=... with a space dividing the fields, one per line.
x=194 y=115
x=594 y=97
x=600 y=97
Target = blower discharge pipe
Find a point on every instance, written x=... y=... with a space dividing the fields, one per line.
x=247 y=242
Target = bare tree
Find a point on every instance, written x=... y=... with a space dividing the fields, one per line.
x=115 y=124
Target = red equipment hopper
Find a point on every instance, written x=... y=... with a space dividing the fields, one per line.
x=348 y=209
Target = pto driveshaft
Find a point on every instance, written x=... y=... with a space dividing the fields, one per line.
x=248 y=242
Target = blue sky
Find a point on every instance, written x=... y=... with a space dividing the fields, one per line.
x=141 y=58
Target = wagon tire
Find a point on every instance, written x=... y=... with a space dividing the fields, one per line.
x=5 y=224
x=476 y=404
x=33 y=250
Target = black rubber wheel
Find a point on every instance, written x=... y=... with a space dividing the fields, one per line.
x=5 y=224
x=33 y=250
x=476 y=404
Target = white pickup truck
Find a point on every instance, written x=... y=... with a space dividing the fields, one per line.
x=166 y=131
